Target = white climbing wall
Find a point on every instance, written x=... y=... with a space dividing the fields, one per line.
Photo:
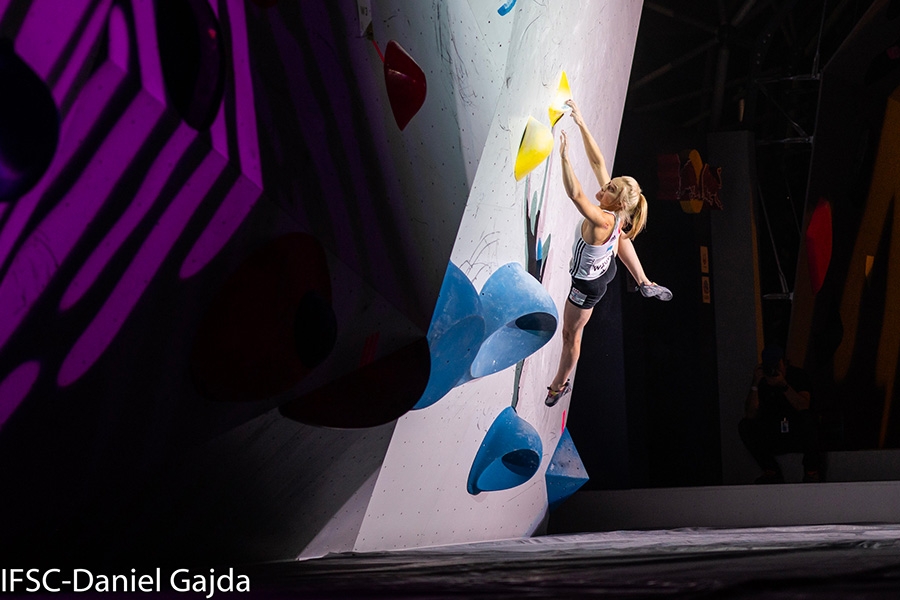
x=505 y=68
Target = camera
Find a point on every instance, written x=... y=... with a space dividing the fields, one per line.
x=770 y=370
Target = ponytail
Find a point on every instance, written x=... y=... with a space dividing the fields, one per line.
x=638 y=218
x=633 y=211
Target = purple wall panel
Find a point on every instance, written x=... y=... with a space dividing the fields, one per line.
x=110 y=262
x=16 y=386
x=229 y=216
x=86 y=44
x=245 y=114
x=119 y=44
x=147 y=195
x=47 y=29
x=143 y=268
x=148 y=55
x=76 y=127
x=52 y=241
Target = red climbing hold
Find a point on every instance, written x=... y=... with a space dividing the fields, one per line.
x=405 y=83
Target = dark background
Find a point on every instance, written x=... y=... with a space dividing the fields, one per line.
x=701 y=68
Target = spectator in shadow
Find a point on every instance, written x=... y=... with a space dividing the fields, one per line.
x=778 y=418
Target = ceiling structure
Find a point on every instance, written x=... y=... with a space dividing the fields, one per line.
x=737 y=63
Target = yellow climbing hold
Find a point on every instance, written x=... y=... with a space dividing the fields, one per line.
x=536 y=145
x=694 y=205
x=559 y=107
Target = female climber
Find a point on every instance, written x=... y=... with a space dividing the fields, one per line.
x=606 y=231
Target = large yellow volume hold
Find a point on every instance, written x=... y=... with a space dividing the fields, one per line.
x=536 y=145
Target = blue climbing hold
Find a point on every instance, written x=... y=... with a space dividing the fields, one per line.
x=519 y=315
x=454 y=336
x=509 y=455
x=507 y=6
x=565 y=473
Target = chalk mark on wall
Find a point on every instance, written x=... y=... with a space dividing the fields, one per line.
x=478 y=261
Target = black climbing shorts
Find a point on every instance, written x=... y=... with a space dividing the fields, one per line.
x=586 y=293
